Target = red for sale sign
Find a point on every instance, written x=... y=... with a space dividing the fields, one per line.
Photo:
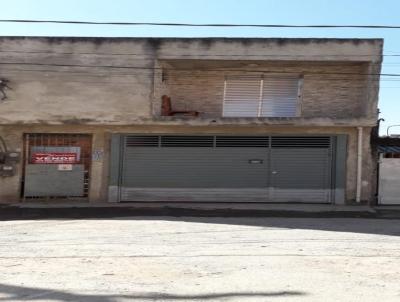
x=54 y=158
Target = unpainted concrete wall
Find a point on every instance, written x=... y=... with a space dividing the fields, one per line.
x=113 y=85
x=112 y=81
x=10 y=187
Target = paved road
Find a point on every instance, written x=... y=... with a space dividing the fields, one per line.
x=200 y=259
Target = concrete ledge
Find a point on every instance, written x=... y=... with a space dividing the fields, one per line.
x=108 y=210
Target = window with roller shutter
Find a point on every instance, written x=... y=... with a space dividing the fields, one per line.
x=262 y=96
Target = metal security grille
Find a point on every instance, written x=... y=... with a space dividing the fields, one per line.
x=187 y=141
x=301 y=142
x=265 y=96
x=142 y=141
x=41 y=177
x=197 y=141
x=227 y=168
x=242 y=141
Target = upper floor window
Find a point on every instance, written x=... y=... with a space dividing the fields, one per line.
x=262 y=96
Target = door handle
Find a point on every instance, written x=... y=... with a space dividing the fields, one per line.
x=256 y=161
x=274 y=172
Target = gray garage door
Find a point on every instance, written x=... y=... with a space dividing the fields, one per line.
x=301 y=169
x=226 y=168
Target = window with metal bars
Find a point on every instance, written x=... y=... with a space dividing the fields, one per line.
x=262 y=96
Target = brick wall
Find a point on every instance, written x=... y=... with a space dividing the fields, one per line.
x=326 y=91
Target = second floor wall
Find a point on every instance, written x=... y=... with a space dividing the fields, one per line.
x=323 y=89
x=122 y=81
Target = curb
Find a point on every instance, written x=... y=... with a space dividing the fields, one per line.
x=25 y=213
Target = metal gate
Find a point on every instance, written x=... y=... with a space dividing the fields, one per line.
x=56 y=165
x=226 y=168
x=389 y=175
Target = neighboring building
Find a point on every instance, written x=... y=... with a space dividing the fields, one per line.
x=388 y=146
x=249 y=120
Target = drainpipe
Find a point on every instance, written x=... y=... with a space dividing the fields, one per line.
x=359 y=164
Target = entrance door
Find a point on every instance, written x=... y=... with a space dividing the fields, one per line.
x=301 y=169
x=56 y=165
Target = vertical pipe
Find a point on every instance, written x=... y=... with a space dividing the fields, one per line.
x=28 y=142
x=224 y=97
x=260 y=100
x=359 y=163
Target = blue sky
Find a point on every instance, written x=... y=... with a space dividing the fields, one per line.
x=383 y=12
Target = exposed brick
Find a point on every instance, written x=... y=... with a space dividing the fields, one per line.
x=331 y=90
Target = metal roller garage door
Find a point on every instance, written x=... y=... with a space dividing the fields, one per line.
x=301 y=169
x=226 y=168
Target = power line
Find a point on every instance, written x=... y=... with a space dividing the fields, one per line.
x=123 y=75
x=113 y=83
x=198 y=55
x=143 y=57
x=200 y=24
x=359 y=82
x=167 y=77
x=191 y=69
x=130 y=83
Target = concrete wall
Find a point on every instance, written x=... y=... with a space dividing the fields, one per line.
x=113 y=81
x=10 y=187
x=102 y=86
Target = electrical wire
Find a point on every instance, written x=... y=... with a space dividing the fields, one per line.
x=113 y=79
x=191 y=55
x=200 y=24
x=191 y=69
x=187 y=74
x=113 y=82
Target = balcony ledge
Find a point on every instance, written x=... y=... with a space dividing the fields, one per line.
x=198 y=121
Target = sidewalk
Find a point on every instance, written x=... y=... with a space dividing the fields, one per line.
x=32 y=210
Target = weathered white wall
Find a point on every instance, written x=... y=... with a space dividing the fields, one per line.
x=389 y=174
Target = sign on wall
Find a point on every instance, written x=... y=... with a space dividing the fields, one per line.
x=55 y=155
x=54 y=158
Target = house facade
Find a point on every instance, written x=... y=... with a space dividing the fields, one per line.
x=188 y=119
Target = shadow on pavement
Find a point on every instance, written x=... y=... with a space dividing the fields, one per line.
x=22 y=293
x=364 y=223
x=389 y=227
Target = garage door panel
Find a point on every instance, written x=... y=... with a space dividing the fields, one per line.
x=195 y=194
x=226 y=168
x=300 y=195
x=195 y=167
x=301 y=174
